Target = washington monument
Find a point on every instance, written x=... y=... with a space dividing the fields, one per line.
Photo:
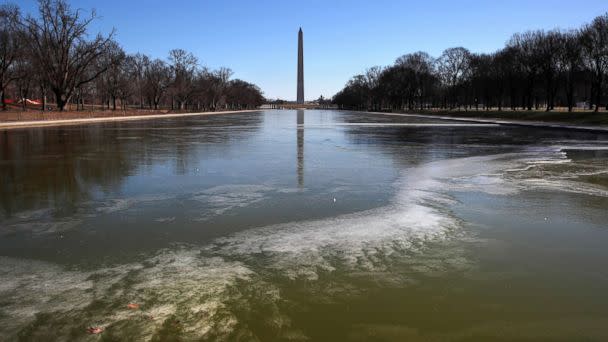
x=300 y=68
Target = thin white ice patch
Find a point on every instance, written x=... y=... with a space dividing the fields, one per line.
x=215 y=201
x=129 y=138
x=587 y=173
x=481 y=173
x=39 y=226
x=120 y=204
x=30 y=287
x=291 y=190
x=165 y=219
x=564 y=186
x=565 y=174
x=178 y=284
x=43 y=221
x=397 y=124
x=549 y=161
x=490 y=184
x=584 y=148
x=571 y=142
x=361 y=240
x=33 y=214
x=547 y=168
x=221 y=199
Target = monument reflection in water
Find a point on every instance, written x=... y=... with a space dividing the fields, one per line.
x=300 y=143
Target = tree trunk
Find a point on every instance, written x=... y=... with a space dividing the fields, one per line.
x=570 y=94
x=43 y=91
x=598 y=94
x=549 y=95
x=60 y=101
x=529 y=94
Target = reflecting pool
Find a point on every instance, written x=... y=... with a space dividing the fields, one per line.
x=303 y=225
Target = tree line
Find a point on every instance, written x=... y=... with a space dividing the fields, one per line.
x=51 y=55
x=535 y=70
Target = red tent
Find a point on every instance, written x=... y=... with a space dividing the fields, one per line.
x=32 y=102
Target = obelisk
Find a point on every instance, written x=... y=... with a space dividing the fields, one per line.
x=300 y=68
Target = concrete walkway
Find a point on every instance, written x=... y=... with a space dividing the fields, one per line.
x=81 y=121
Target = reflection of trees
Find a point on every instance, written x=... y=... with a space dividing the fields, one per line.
x=422 y=143
x=52 y=168
x=62 y=167
x=431 y=143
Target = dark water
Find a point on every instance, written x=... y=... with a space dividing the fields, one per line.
x=303 y=225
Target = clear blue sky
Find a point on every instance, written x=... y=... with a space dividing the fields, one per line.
x=258 y=39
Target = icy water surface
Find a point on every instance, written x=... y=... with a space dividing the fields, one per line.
x=303 y=225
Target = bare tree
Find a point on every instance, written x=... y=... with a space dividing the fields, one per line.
x=157 y=78
x=454 y=68
x=372 y=80
x=570 y=63
x=508 y=75
x=482 y=78
x=548 y=46
x=528 y=63
x=65 y=57
x=420 y=68
x=114 y=79
x=10 y=48
x=595 y=54
x=138 y=64
x=220 y=82
x=550 y=68
x=183 y=67
x=213 y=85
x=25 y=79
x=243 y=95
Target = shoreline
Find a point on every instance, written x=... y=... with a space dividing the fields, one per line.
x=497 y=121
x=82 y=121
x=536 y=124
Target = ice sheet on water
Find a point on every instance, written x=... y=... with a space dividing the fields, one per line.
x=220 y=199
x=172 y=283
x=44 y=221
x=195 y=287
x=217 y=201
x=39 y=226
x=546 y=168
x=358 y=241
x=195 y=283
x=119 y=204
x=399 y=124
